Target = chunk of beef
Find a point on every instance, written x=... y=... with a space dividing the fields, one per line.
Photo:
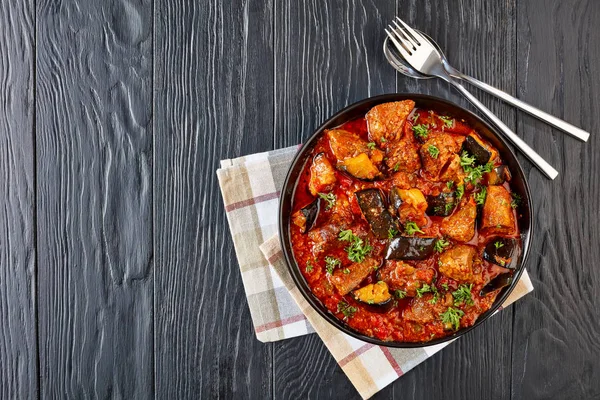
x=386 y=121
x=346 y=281
x=322 y=175
x=497 y=216
x=422 y=310
x=457 y=263
x=436 y=152
x=460 y=226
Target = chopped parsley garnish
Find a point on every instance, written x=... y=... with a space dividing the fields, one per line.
x=448 y=121
x=358 y=249
x=329 y=198
x=474 y=173
x=516 y=200
x=410 y=228
x=433 y=151
x=391 y=233
x=346 y=271
x=396 y=167
x=400 y=294
x=480 y=196
x=463 y=295
x=383 y=140
x=415 y=117
x=371 y=145
x=445 y=286
x=466 y=160
x=346 y=309
x=426 y=289
x=452 y=317
x=421 y=130
x=498 y=245
x=449 y=184
x=460 y=191
x=440 y=245
x=331 y=263
x=309 y=266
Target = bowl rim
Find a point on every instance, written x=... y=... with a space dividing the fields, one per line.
x=288 y=192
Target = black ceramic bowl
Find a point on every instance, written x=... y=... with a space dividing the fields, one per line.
x=518 y=185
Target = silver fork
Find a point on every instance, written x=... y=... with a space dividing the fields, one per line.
x=426 y=59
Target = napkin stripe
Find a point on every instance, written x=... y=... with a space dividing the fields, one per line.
x=392 y=361
x=355 y=354
x=280 y=323
x=252 y=201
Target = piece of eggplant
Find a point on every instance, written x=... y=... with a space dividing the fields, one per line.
x=395 y=200
x=441 y=205
x=499 y=175
x=308 y=215
x=410 y=248
x=374 y=210
x=375 y=294
x=476 y=149
x=504 y=252
x=498 y=282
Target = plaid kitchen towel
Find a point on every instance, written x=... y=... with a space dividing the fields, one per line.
x=250 y=187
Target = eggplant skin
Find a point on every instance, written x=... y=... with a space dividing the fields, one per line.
x=504 y=252
x=310 y=214
x=410 y=248
x=473 y=147
x=374 y=210
x=499 y=175
x=441 y=205
x=395 y=199
x=497 y=283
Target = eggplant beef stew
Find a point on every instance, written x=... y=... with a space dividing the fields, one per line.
x=404 y=224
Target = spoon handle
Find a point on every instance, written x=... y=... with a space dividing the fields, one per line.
x=531 y=154
x=536 y=112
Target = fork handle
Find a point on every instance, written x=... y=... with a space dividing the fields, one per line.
x=531 y=154
x=536 y=112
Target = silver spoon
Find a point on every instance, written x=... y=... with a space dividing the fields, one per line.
x=400 y=64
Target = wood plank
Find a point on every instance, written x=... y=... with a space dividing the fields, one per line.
x=94 y=164
x=327 y=55
x=18 y=340
x=556 y=343
x=214 y=100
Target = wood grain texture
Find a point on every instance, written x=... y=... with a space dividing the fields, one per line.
x=94 y=202
x=479 y=38
x=556 y=340
x=18 y=339
x=214 y=100
x=327 y=56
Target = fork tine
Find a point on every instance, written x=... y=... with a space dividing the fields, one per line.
x=410 y=40
x=397 y=44
x=410 y=30
x=399 y=36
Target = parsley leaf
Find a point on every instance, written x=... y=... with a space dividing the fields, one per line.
x=400 y=294
x=460 y=191
x=480 y=196
x=466 y=160
x=309 y=266
x=358 y=249
x=463 y=295
x=421 y=130
x=448 y=121
x=391 y=233
x=396 y=167
x=331 y=263
x=371 y=145
x=498 y=245
x=516 y=200
x=329 y=198
x=346 y=309
x=452 y=317
x=445 y=286
x=433 y=151
x=449 y=184
x=440 y=245
x=426 y=289
x=410 y=228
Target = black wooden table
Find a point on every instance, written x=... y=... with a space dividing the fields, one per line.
x=117 y=272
